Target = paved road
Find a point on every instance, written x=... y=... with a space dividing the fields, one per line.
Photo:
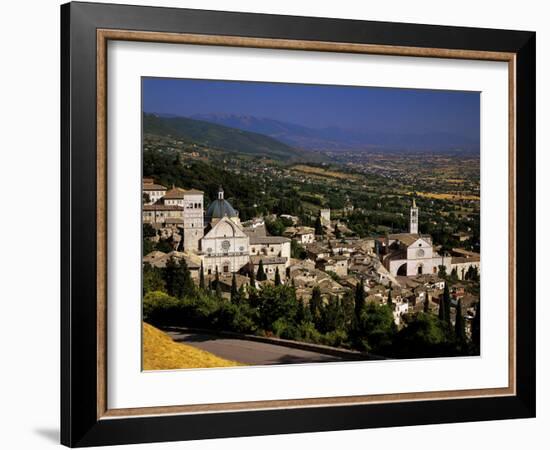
x=249 y=352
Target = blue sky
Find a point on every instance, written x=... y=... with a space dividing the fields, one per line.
x=320 y=106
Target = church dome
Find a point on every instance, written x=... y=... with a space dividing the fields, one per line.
x=220 y=208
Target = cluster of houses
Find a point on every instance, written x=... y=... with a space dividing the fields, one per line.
x=404 y=265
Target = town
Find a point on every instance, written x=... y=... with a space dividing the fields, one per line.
x=323 y=261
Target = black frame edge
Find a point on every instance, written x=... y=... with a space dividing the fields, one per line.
x=79 y=425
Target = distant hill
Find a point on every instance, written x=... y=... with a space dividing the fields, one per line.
x=222 y=137
x=336 y=138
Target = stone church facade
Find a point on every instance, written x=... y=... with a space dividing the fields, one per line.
x=410 y=254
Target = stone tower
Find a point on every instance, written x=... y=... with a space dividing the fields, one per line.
x=413 y=226
x=193 y=220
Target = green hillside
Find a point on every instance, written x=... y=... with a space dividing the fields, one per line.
x=221 y=137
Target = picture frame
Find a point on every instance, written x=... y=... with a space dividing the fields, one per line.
x=86 y=418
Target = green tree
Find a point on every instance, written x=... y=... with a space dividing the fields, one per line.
x=389 y=294
x=277 y=277
x=277 y=303
x=348 y=308
x=217 y=286
x=442 y=271
x=318 y=226
x=261 y=276
x=359 y=299
x=202 y=284
x=377 y=327
x=315 y=304
x=159 y=306
x=424 y=336
x=444 y=305
x=447 y=304
x=234 y=290
x=148 y=231
x=152 y=279
x=476 y=329
x=460 y=332
x=148 y=247
x=454 y=274
x=332 y=316
x=178 y=278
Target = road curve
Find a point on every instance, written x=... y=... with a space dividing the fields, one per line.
x=250 y=352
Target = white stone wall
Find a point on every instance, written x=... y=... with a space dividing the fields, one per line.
x=174 y=201
x=420 y=249
x=154 y=195
x=307 y=238
x=193 y=216
x=225 y=245
x=413 y=226
x=160 y=217
x=282 y=250
x=232 y=262
x=325 y=216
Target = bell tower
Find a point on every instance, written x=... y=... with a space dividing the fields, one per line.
x=413 y=226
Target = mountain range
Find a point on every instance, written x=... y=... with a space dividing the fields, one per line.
x=336 y=138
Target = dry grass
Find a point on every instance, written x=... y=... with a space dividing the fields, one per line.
x=160 y=352
x=323 y=173
x=445 y=196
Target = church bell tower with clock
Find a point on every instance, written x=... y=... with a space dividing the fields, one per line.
x=413 y=227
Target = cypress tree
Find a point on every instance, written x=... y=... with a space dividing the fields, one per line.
x=389 y=294
x=441 y=308
x=359 y=299
x=454 y=274
x=447 y=303
x=315 y=304
x=318 y=226
x=277 y=277
x=178 y=278
x=460 y=333
x=261 y=276
x=234 y=290
x=218 y=287
x=476 y=329
x=427 y=305
x=201 y=279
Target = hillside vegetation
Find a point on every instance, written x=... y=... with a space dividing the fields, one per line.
x=220 y=137
x=160 y=352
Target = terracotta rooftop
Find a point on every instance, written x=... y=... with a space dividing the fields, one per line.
x=255 y=240
x=179 y=193
x=161 y=207
x=267 y=260
x=153 y=187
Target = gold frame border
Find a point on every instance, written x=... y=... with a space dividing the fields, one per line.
x=104 y=35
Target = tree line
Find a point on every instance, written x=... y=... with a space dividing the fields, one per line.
x=171 y=297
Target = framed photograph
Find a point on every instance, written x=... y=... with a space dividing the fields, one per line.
x=276 y=224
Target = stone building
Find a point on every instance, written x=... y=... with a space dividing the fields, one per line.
x=325 y=217
x=271 y=246
x=225 y=245
x=412 y=254
x=158 y=214
x=152 y=191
